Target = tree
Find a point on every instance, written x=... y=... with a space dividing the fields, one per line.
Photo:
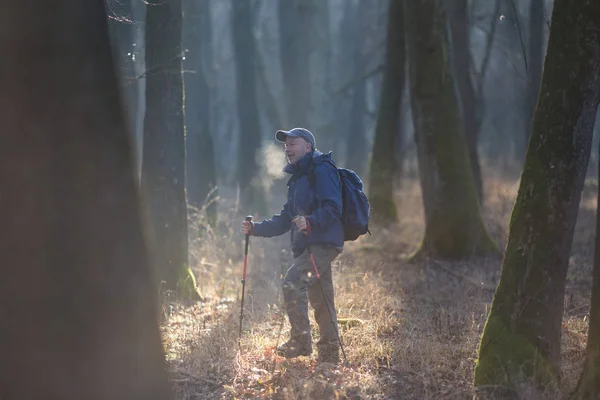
x=122 y=31
x=320 y=55
x=453 y=225
x=387 y=125
x=521 y=338
x=463 y=61
x=534 y=61
x=356 y=151
x=163 y=164
x=201 y=178
x=252 y=194
x=294 y=25
x=79 y=318
x=588 y=387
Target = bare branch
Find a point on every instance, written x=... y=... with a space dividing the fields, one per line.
x=523 y=50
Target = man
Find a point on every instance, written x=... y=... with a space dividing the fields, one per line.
x=312 y=213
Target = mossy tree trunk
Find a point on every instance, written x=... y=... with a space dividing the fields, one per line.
x=521 y=338
x=381 y=171
x=163 y=164
x=588 y=387
x=454 y=228
x=249 y=179
x=462 y=67
x=79 y=318
x=200 y=160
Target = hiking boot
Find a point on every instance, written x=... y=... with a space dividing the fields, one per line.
x=292 y=349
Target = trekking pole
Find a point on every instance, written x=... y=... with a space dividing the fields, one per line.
x=335 y=327
x=249 y=219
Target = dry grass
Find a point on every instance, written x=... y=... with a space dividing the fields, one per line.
x=417 y=329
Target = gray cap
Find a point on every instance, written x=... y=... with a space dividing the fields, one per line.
x=297 y=132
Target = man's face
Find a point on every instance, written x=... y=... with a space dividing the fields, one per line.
x=296 y=148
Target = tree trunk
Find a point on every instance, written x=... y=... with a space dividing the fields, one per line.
x=523 y=330
x=357 y=146
x=454 y=228
x=381 y=174
x=294 y=24
x=79 y=318
x=588 y=387
x=321 y=115
x=462 y=62
x=201 y=181
x=535 y=61
x=249 y=179
x=163 y=165
x=343 y=73
x=122 y=31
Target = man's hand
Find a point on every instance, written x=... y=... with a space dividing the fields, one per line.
x=301 y=223
x=247 y=227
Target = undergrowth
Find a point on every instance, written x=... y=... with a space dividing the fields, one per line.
x=410 y=331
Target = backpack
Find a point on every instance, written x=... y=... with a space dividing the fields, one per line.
x=356 y=209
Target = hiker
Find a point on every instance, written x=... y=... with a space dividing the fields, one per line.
x=312 y=213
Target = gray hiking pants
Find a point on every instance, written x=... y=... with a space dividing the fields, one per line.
x=300 y=285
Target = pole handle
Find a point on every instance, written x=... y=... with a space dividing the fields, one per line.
x=249 y=219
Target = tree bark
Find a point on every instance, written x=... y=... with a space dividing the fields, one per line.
x=201 y=181
x=249 y=179
x=462 y=62
x=535 y=61
x=77 y=301
x=588 y=387
x=522 y=335
x=163 y=164
x=122 y=31
x=454 y=228
x=381 y=173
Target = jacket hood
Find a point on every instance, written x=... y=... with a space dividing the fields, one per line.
x=304 y=164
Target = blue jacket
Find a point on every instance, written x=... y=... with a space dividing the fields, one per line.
x=320 y=201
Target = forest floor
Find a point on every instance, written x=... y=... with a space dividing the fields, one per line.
x=410 y=331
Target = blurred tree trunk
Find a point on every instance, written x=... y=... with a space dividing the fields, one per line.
x=357 y=149
x=79 y=317
x=294 y=25
x=454 y=228
x=321 y=115
x=381 y=173
x=121 y=26
x=523 y=330
x=343 y=73
x=588 y=387
x=201 y=179
x=163 y=164
x=249 y=179
x=535 y=62
x=463 y=61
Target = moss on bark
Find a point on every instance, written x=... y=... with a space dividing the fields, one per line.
x=186 y=286
x=508 y=355
x=530 y=295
